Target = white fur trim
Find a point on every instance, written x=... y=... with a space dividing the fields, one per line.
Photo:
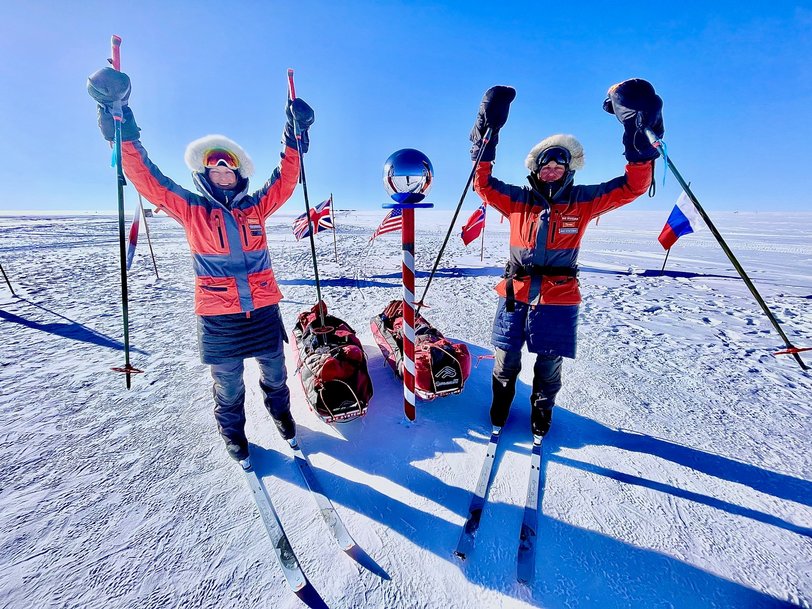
x=564 y=141
x=195 y=150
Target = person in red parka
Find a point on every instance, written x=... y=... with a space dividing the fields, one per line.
x=539 y=295
x=236 y=294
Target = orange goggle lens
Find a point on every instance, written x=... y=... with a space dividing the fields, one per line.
x=220 y=157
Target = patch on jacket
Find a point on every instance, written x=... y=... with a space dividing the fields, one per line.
x=567 y=231
x=256 y=230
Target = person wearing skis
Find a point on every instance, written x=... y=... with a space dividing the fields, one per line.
x=236 y=294
x=539 y=294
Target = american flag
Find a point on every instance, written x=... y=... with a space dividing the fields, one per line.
x=321 y=216
x=392 y=222
x=473 y=228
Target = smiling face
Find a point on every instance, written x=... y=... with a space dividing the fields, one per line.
x=552 y=172
x=223 y=177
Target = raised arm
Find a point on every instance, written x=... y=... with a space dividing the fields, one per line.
x=109 y=88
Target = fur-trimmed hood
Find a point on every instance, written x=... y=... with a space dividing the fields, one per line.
x=195 y=150
x=561 y=140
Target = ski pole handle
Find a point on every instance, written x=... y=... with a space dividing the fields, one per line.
x=115 y=61
x=653 y=140
x=291 y=87
x=115 y=49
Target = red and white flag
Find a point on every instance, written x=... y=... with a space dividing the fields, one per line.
x=133 y=240
x=473 y=228
x=321 y=216
x=392 y=222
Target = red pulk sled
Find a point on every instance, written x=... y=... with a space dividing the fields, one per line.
x=332 y=366
x=441 y=367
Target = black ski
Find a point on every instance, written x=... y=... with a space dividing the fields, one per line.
x=526 y=559
x=469 y=529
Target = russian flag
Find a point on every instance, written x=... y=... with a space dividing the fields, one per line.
x=684 y=219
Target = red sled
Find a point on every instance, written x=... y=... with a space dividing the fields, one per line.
x=441 y=366
x=332 y=366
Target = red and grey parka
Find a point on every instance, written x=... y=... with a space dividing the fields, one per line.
x=545 y=235
x=228 y=244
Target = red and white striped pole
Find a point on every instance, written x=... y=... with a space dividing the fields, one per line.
x=408 y=175
x=407 y=234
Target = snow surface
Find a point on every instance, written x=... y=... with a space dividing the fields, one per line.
x=677 y=472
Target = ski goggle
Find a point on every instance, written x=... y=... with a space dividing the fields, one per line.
x=556 y=153
x=221 y=157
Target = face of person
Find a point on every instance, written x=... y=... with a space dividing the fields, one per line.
x=223 y=177
x=552 y=172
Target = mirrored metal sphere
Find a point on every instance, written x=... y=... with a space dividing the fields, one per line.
x=407 y=175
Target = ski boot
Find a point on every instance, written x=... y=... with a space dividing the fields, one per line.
x=541 y=415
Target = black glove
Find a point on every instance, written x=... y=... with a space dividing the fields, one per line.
x=129 y=128
x=111 y=90
x=493 y=114
x=299 y=111
x=638 y=107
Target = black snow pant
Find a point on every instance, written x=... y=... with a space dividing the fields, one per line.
x=229 y=400
x=546 y=385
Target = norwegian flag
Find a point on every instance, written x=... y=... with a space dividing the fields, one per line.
x=392 y=222
x=473 y=228
x=133 y=240
x=321 y=216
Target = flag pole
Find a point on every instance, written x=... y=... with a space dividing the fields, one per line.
x=7 y=281
x=149 y=241
x=660 y=147
x=668 y=251
x=333 y=220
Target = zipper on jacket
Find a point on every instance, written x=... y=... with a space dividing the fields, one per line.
x=552 y=231
x=220 y=234
x=244 y=234
x=530 y=231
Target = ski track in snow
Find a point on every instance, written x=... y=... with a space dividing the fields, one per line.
x=678 y=471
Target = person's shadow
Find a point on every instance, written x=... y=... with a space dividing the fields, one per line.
x=574 y=566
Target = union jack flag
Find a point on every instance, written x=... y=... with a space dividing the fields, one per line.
x=392 y=222
x=473 y=228
x=321 y=216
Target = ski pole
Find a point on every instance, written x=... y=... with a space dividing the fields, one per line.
x=485 y=139
x=149 y=241
x=115 y=60
x=7 y=281
x=303 y=180
x=791 y=349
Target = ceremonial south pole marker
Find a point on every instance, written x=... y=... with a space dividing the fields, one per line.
x=407 y=177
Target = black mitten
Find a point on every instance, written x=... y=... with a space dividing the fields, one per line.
x=493 y=114
x=304 y=116
x=636 y=105
x=129 y=128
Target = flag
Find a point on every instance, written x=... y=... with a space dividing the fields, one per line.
x=473 y=228
x=684 y=219
x=320 y=216
x=133 y=240
x=392 y=222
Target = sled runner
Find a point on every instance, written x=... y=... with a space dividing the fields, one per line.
x=441 y=366
x=332 y=366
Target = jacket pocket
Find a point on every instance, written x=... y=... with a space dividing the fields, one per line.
x=216 y=296
x=264 y=290
x=560 y=290
x=252 y=231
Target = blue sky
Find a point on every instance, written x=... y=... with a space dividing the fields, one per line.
x=736 y=80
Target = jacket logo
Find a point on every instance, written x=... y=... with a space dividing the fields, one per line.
x=570 y=218
x=567 y=231
x=446 y=373
x=256 y=230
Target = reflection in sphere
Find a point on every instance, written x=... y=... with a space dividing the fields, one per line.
x=407 y=175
